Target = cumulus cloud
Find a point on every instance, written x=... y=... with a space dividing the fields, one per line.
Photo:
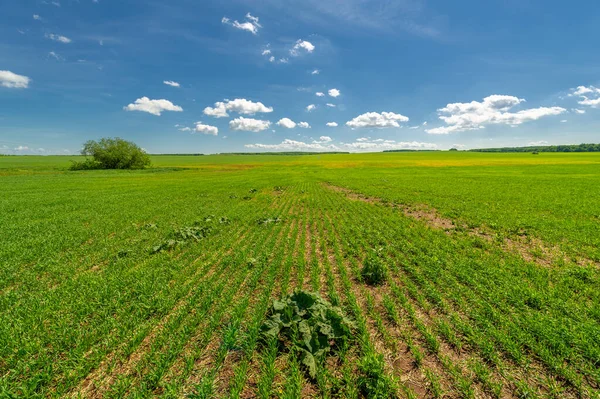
x=37 y=17
x=315 y=72
x=330 y=105
x=320 y=94
x=206 y=129
x=266 y=52
x=332 y=124
x=290 y=124
x=13 y=81
x=334 y=93
x=589 y=96
x=293 y=145
x=171 y=83
x=154 y=107
x=185 y=129
x=251 y=24
x=249 y=125
x=22 y=148
x=311 y=107
x=377 y=120
x=301 y=45
x=271 y=59
x=325 y=139
x=579 y=111
x=58 y=38
x=286 y=123
x=494 y=109
x=366 y=144
x=239 y=105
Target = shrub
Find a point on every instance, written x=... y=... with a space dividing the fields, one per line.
x=112 y=154
x=309 y=326
x=374 y=270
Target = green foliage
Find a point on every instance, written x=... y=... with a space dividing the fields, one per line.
x=181 y=236
x=87 y=164
x=373 y=382
x=111 y=153
x=308 y=326
x=374 y=271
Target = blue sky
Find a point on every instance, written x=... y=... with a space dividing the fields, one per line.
x=185 y=76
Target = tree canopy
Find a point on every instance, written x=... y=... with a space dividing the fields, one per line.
x=112 y=153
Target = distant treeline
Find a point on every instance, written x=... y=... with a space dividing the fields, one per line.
x=283 y=153
x=176 y=155
x=410 y=150
x=548 y=148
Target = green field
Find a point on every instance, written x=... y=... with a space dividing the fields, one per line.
x=157 y=282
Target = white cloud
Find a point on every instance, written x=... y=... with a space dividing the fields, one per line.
x=302 y=45
x=206 y=129
x=22 y=148
x=332 y=124
x=271 y=59
x=330 y=105
x=254 y=20
x=303 y=125
x=315 y=72
x=381 y=145
x=239 y=105
x=249 y=125
x=494 y=109
x=582 y=90
x=293 y=145
x=579 y=111
x=286 y=123
x=541 y=142
x=325 y=139
x=13 y=81
x=320 y=94
x=154 y=107
x=37 y=17
x=266 y=52
x=589 y=96
x=58 y=38
x=251 y=24
x=284 y=61
x=171 y=83
x=54 y=55
x=311 y=107
x=334 y=93
x=185 y=129
x=377 y=120
x=563 y=121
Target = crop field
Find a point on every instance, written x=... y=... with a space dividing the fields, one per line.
x=446 y=275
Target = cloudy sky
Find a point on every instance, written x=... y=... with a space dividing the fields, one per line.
x=208 y=76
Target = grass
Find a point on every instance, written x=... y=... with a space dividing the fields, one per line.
x=89 y=307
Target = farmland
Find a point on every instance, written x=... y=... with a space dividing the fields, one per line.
x=157 y=282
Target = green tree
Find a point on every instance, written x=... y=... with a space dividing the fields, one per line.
x=109 y=153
